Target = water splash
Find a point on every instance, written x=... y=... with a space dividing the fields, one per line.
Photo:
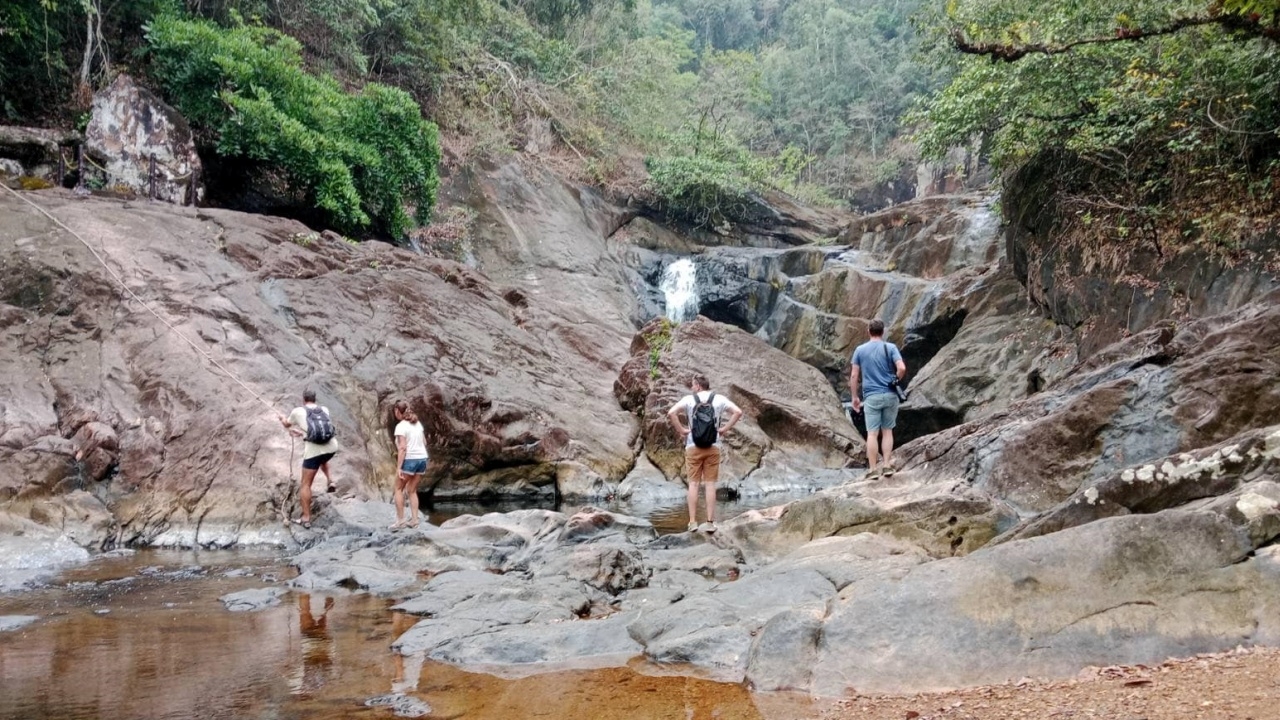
x=680 y=288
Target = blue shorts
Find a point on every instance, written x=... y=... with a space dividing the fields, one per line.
x=414 y=467
x=881 y=410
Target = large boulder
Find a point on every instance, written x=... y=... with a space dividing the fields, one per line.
x=144 y=144
x=1164 y=391
x=1123 y=590
x=792 y=420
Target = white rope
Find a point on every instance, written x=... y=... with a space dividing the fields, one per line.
x=140 y=301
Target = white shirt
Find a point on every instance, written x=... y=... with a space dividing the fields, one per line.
x=415 y=445
x=719 y=403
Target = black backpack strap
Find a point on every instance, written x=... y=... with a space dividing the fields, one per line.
x=893 y=369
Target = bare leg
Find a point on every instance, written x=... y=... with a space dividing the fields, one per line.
x=693 y=500
x=888 y=447
x=873 y=448
x=397 y=498
x=710 y=490
x=307 y=477
x=328 y=479
x=413 y=499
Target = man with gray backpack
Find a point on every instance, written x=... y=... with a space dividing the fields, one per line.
x=875 y=383
x=312 y=423
x=697 y=418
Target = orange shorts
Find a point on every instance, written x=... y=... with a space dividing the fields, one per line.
x=702 y=464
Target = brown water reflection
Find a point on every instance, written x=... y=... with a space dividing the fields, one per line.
x=133 y=638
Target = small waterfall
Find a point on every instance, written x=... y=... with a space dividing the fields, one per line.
x=679 y=287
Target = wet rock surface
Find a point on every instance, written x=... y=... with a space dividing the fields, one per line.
x=9 y=623
x=253 y=600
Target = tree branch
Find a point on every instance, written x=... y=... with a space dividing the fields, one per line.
x=1249 y=25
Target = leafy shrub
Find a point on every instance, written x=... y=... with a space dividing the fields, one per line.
x=359 y=158
x=715 y=179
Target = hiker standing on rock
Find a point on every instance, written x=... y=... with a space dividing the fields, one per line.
x=312 y=423
x=877 y=368
x=411 y=463
x=703 y=412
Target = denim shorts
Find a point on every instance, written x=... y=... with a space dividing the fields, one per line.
x=881 y=410
x=414 y=467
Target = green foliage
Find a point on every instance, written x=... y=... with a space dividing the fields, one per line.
x=358 y=158
x=659 y=341
x=1174 y=135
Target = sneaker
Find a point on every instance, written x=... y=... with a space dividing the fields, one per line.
x=707 y=527
x=692 y=526
x=872 y=474
x=888 y=470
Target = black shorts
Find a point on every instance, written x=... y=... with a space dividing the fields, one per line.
x=315 y=462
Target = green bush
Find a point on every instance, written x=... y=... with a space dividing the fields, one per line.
x=710 y=179
x=358 y=158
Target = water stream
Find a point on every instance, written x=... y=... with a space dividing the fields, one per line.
x=679 y=287
x=142 y=635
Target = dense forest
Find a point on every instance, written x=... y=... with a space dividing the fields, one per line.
x=1134 y=115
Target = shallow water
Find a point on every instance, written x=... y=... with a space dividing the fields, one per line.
x=144 y=636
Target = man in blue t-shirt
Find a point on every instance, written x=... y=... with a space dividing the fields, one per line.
x=876 y=365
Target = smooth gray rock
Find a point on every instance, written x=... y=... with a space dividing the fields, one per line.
x=400 y=704
x=714 y=629
x=540 y=647
x=328 y=566
x=254 y=599
x=1135 y=589
x=9 y=623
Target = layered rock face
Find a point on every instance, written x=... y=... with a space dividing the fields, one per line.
x=119 y=427
x=101 y=396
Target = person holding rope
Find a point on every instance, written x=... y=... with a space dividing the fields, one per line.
x=312 y=423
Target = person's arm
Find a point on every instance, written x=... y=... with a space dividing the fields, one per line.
x=293 y=429
x=855 y=387
x=676 y=417
x=402 y=442
x=899 y=364
x=735 y=413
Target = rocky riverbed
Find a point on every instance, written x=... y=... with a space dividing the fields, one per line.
x=1072 y=495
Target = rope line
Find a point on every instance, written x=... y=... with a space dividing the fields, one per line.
x=171 y=175
x=140 y=301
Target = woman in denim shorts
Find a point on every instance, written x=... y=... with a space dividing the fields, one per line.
x=411 y=460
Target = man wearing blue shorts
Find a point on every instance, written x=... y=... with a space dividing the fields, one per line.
x=876 y=365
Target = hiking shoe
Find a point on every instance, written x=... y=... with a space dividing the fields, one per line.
x=707 y=527
x=872 y=474
x=692 y=526
x=888 y=470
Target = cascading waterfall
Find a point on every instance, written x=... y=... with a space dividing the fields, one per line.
x=679 y=287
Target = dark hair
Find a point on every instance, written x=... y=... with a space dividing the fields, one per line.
x=406 y=412
x=308 y=395
x=702 y=381
x=876 y=328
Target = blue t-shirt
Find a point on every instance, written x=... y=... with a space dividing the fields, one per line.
x=878 y=367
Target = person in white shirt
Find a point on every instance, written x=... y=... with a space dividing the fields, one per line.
x=411 y=461
x=702 y=454
x=311 y=422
